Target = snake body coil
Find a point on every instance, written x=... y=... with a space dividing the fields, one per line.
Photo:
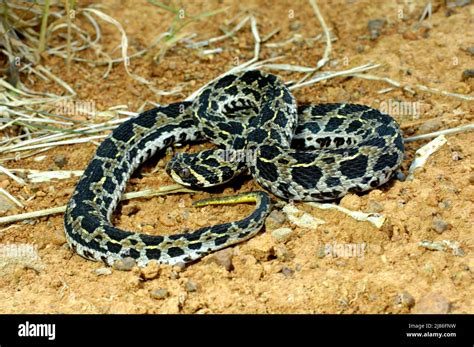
x=316 y=152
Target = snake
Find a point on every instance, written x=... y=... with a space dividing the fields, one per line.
x=304 y=153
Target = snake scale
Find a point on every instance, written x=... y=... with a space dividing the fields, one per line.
x=310 y=152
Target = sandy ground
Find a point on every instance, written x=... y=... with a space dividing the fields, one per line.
x=303 y=272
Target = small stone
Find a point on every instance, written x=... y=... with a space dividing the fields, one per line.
x=410 y=35
x=430 y=126
x=151 y=271
x=295 y=25
x=374 y=207
x=275 y=219
x=400 y=176
x=60 y=160
x=281 y=252
x=159 y=293
x=223 y=258
x=351 y=202
x=6 y=204
x=440 y=226
x=4 y=184
x=457 y=3
x=456 y=156
x=287 y=272
x=191 y=286
x=471 y=50
x=125 y=264
x=467 y=74
x=405 y=299
x=375 y=26
x=471 y=179
x=432 y=303
x=185 y=214
x=130 y=209
x=282 y=234
x=103 y=271
x=445 y=204
x=179 y=267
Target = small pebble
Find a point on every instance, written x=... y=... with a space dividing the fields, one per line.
x=471 y=179
x=467 y=74
x=375 y=26
x=191 y=286
x=430 y=126
x=151 y=271
x=185 y=214
x=4 y=184
x=351 y=202
x=281 y=252
x=432 y=303
x=445 y=204
x=400 y=176
x=374 y=207
x=130 y=209
x=159 y=293
x=287 y=272
x=275 y=219
x=360 y=48
x=405 y=299
x=223 y=258
x=103 y=271
x=179 y=266
x=295 y=25
x=60 y=160
x=471 y=50
x=457 y=3
x=440 y=226
x=456 y=156
x=6 y=204
x=282 y=234
x=125 y=264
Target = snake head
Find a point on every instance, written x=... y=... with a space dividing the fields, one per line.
x=179 y=169
x=201 y=170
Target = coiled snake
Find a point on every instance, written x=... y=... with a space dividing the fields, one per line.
x=314 y=152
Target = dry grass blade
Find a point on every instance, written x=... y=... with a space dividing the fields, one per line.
x=171 y=189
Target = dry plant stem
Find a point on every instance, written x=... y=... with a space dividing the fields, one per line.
x=327 y=35
x=332 y=74
x=463 y=128
x=11 y=198
x=12 y=176
x=171 y=189
x=124 y=43
x=423 y=153
x=411 y=89
x=374 y=218
x=44 y=25
x=69 y=33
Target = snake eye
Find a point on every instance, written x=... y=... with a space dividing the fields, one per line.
x=185 y=172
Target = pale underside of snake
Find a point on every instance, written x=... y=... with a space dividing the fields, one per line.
x=318 y=152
